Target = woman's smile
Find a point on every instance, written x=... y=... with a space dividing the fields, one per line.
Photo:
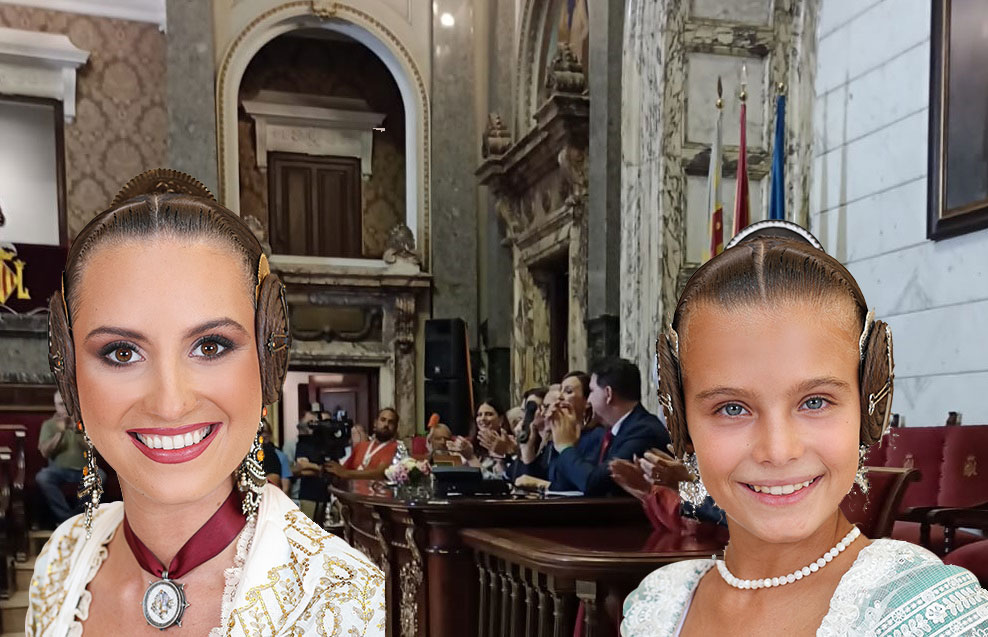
x=173 y=445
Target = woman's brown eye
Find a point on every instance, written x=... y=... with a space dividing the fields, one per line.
x=210 y=349
x=122 y=355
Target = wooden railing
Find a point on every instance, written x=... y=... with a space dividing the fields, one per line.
x=542 y=582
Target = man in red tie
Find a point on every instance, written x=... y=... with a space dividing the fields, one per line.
x=615 y=394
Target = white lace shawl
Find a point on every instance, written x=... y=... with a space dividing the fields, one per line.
x=289 y=578
x=893 y=589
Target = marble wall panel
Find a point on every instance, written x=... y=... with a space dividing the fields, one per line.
x=869 y=201
x=885 y=159
x=853 y=49
x=745 y=11
x=191 y=92
x=701 y=95
x=455 y=155
x=953 y=392
x=646 y=54
x=866 y=103
x=121 y=124
x=335 y=69
x=881 y=223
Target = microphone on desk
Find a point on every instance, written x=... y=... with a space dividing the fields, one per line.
x=526 y=423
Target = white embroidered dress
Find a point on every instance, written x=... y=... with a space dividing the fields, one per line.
x=893 y=589
x=290 y=578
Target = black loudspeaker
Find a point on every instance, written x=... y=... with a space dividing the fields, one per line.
x=450 y=398
x=446 y=349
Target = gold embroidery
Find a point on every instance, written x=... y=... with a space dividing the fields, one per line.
x=970 y=466
x=339 y=597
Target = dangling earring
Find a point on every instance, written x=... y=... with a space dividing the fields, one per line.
x=250 y=479
x=861 y=477
x=692 y=491
x=91 y=488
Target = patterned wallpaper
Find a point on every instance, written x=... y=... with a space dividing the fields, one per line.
x=121 y=125
x=338 y=69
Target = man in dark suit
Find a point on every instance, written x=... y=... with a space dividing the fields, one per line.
x=615 y=394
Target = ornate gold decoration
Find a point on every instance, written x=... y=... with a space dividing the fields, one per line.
x=325 y=9
x=565 y=73
x=970 y=466
x=410 y=580
x=497 y=138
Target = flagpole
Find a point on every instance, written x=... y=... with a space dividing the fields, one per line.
x=742 y=214
x=715 y=208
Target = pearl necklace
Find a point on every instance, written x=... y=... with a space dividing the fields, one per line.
x=769 y=582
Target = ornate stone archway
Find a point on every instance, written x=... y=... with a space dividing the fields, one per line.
x=366 y=29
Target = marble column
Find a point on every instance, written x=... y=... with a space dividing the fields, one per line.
x=643 y=204
x=604 y=213
x=190 y=97
x=499 y=273
x=455 y=139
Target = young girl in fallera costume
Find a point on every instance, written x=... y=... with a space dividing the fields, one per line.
x=168 y=337
x=775 y=379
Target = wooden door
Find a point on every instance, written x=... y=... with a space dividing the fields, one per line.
x=315 y=207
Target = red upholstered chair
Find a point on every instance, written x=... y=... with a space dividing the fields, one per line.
x=948 y=458
x=972 y=556
x=875 y=512
x=419 y=447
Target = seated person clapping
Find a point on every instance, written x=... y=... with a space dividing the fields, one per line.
x=493 y=441
x=615 y=395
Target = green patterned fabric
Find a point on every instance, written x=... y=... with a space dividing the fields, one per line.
x=893 y=589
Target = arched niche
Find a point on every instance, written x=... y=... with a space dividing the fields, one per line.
x=366 y=30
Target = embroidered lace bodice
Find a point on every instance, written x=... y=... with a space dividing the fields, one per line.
x=893 y=589
x=289 y=578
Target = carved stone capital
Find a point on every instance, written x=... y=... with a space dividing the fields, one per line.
x=401 y=245
x=497 y=138
x=565 y=72
x=405 y=323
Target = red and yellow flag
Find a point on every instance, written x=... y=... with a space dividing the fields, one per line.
x=715 y=205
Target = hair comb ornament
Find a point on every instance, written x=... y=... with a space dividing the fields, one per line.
x=159 y=181
x=775 y=228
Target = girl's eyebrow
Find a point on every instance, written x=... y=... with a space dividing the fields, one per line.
x=801 y=388
x=115 y=331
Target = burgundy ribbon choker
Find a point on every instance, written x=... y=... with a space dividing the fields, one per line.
x=164 y=601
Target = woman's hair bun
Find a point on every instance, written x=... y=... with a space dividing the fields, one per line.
x=160 y=181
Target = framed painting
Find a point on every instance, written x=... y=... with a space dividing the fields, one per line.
x=958 y=150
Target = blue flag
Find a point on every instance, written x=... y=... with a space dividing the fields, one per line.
x=777 y=202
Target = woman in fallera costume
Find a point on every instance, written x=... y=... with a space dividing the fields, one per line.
x=167 y=340
x=775 y=379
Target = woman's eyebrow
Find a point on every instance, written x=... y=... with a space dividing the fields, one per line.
x=212 y=325
x=115 y=331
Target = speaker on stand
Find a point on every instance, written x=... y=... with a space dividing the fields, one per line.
x=448 y=386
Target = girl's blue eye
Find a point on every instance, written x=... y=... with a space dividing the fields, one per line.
x=815 y=403
x=733 y=409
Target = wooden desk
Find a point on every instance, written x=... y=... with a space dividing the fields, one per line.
x=530 y=579
x=432 y=576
